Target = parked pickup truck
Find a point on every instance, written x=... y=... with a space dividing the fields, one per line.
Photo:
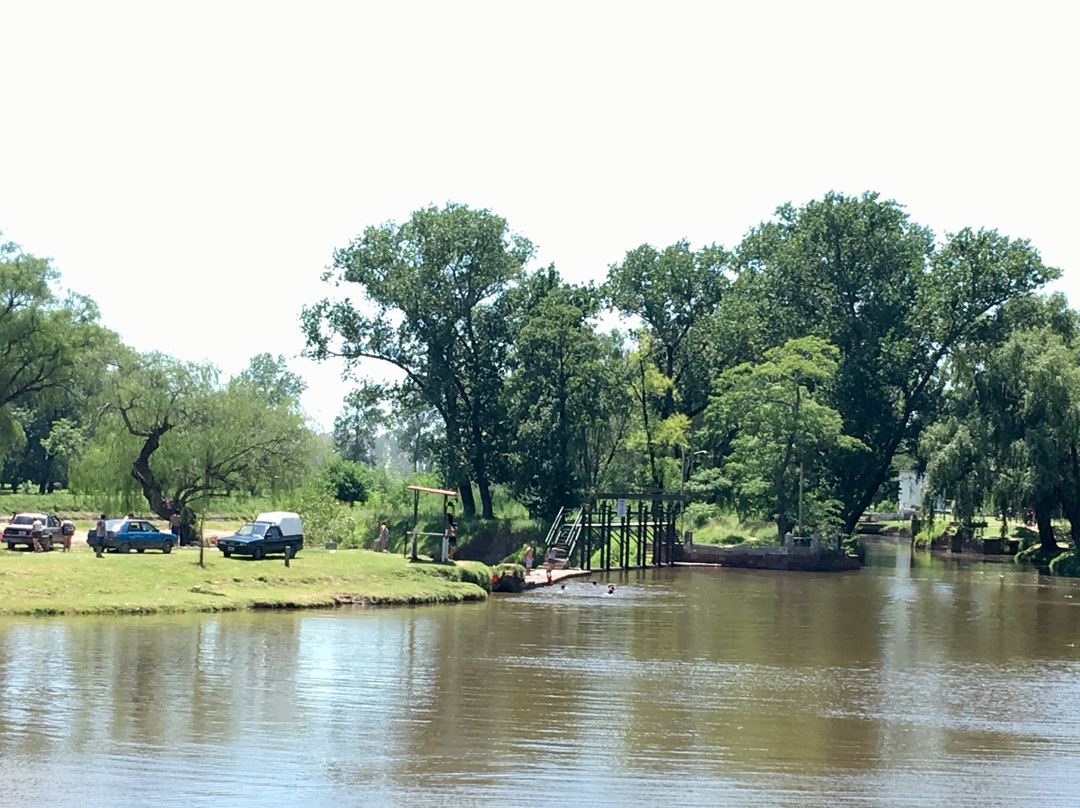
x=271 y=532
x=18 y=532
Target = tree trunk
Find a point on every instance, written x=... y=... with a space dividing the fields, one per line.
x=188 y=534
x=669 y=394
x=142 y=472
x=1070 y=503
x=1072 y=513
x=468 y=502
x=485 y=499
x=1047 y=542
x=478 y=457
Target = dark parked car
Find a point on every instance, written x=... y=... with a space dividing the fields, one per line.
x=18 y=532
x=125 y=535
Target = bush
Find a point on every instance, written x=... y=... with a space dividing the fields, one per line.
x=853 y=546
x=1035 y=555
x=1067 y=564
x=699 y=514
x=325 y=519
x=511 y=578
x=350 y=481
x=469 y=572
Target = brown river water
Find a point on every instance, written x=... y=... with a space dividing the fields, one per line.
x=928 y=683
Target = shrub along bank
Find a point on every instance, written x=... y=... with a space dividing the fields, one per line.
x=79 y=583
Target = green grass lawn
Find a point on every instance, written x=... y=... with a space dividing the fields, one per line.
x=80 y=583
x=727 y=528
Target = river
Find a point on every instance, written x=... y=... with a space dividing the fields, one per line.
x=930 y=682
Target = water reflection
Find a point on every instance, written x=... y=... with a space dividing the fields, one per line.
x=922 y=682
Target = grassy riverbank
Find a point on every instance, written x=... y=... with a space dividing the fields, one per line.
x=79 y=583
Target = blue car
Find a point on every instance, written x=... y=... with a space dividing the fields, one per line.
x=125 y=535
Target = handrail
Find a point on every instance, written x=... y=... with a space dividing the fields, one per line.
x=574 y=533
x=555 y=525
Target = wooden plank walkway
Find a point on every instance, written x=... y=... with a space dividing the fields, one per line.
x=540 y=577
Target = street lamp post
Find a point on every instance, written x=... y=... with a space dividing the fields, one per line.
x=686 y=462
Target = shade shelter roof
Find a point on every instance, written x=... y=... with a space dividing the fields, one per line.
x=443 y=491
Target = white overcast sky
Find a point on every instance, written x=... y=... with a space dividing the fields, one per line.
x=191 y=166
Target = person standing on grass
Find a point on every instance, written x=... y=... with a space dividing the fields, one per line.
x=174 y=527
x=384 y=537
x=67 y=530
x=36 y=534
x=99 y=536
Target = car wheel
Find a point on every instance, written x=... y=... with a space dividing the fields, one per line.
x=11 y=545
x=166 y=547
x=226 y=553
x=258 y=553
x=46 y=545
x=124 y=548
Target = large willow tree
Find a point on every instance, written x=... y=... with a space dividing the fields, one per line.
x=173 y=434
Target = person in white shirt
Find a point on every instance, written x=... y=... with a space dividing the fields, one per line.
x=36 y=534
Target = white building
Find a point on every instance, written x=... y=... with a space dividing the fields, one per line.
x=910 y=494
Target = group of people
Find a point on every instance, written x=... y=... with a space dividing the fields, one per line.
x=37 y=533
x=101 y=532
x=450 y=534
x=98 y=535
x=550 y=558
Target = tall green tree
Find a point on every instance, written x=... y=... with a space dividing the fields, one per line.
x=674 y=292
x=357 y=424
x=272 y=378
x=414 y=424
x=52 y=436
x=48 y=345
x=857 y=272
x=559 y=400
x=785 y=431
x=658 y=439
x=433 y=305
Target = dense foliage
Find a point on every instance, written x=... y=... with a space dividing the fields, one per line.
x=786 y=378
x=803 y=363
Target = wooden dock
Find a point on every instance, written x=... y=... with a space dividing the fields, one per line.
x=539 y=577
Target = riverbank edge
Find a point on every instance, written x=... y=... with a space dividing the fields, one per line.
x=471 y=594
x=158 y=586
